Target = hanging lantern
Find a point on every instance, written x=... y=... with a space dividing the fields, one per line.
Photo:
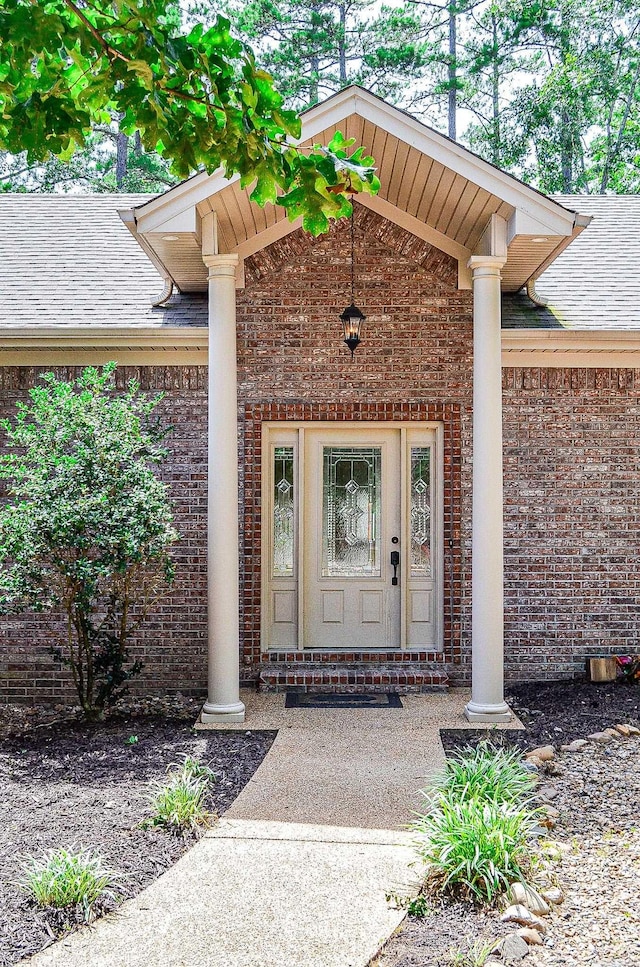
x=352 y=318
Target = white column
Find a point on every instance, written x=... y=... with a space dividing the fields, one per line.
x=487 y=595
x=223 y=703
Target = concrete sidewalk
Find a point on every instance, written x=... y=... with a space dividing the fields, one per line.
x=296 y=873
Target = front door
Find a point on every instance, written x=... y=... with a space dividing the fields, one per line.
x=351 y=529
x=352 y=550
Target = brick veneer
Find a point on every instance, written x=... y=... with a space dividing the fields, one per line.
x=571 y=471
x=414 y=364
x=572 y=517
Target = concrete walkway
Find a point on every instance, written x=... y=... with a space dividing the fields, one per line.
x=296 y=873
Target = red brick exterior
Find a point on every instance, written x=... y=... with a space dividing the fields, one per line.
x=572 y=517
x=571 y=472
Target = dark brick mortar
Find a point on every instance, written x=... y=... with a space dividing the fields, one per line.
x=571 y=436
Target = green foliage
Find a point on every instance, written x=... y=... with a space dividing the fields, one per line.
x=87 y=526
x=487 y=773
x=110 y=161
x=198 y=99
x=179 y=804
x=473 y=954
x=474 y=849
x=64 y=878
x=316 y=47
x=474 y=834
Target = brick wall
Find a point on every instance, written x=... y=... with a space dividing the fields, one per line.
x=571 y=462
x=572 y=517
x=415 y=363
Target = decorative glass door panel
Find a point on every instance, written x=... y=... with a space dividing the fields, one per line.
x=351 y=511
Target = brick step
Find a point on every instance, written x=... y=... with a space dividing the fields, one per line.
x=357 y=678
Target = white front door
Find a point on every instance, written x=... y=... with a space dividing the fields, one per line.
x=352 y=526
x=352 y=554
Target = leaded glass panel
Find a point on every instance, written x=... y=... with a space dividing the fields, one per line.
x=420 y=511
x=351 y=511
x=283 y=512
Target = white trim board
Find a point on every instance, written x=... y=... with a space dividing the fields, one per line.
x=187 y=346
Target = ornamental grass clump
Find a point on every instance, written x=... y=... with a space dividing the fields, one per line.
x=487 y=773
x=66 y=879
x=474 y=837
x=474 y=849
x=179 y=803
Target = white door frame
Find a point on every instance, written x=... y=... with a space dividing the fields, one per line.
x=292 y=434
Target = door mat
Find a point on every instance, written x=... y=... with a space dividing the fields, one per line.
x=342 y=700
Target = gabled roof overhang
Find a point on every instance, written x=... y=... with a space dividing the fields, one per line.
x=430 y=185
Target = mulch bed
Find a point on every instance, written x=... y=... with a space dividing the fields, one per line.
x=597 y=792
x=69 y=783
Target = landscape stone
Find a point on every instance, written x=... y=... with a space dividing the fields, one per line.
x=613 y=733
x=512 y=948
x=544 y=752
x=520 y=914
x=548 y=791
x=533 y=760
x=530 y=936
x=633 y=730
x=600 y=738
x=521 y=894
x=553 y=895
x=576 y=746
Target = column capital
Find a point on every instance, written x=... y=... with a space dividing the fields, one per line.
x=221 y=265
x=486 y=265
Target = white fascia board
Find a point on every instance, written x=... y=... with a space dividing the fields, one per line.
x=550 y=215
x=153 y=214
x=570 y=349
x=571 y=340
x=184 y=222
x=86 y=337
x=523 y=223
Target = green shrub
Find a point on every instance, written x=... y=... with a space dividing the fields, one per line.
x=473 y=848
x=487 y=773
x=473 y=954
x=179 y=803
x=67 y=878
x=196 y=769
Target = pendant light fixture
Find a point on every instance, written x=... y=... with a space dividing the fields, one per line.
x=352 y=318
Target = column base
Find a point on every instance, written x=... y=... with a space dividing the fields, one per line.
x=211 y=713
x=475 y=712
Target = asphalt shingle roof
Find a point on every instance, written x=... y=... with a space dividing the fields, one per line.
x=594 y=283
x=69 y=260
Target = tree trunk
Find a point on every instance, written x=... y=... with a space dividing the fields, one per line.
x=496 y=150
x=342 y=49
x=452 y=72
x=122 y=150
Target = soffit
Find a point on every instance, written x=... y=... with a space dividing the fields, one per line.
x=449 y=192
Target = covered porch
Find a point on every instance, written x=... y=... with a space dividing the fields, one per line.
x=496 y=233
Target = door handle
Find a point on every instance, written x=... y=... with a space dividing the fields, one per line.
x=395 y=561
